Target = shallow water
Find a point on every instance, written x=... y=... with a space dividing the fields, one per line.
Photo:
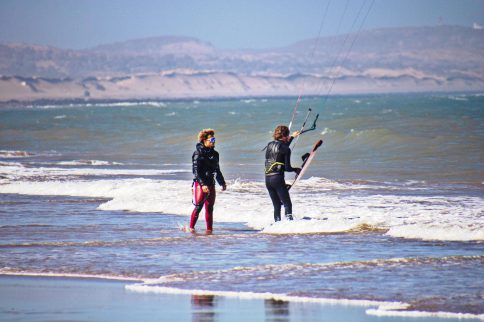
x=393 y=201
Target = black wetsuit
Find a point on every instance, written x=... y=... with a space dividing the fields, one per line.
x=205 y=165
x=278 y=161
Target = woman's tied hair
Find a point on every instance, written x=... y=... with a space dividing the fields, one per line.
x=205 y=133
x=280 y=132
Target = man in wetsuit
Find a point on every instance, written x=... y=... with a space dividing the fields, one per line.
x=205 y=165
x=278 y=161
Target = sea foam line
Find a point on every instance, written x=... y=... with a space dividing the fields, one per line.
x=8 y=272
x=389 y=311
x=280 y=268
x=143 y=288
x=383 y=308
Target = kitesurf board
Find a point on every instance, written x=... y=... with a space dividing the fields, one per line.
x=307 y=162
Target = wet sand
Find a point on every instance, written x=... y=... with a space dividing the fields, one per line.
x=34 y=298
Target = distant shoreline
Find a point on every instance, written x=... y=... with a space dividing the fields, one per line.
x=60 y=102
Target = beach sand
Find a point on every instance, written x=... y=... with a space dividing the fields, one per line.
x=38 y=298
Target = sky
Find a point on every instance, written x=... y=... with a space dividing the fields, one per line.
x=228 y=24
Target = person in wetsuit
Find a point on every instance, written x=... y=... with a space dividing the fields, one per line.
x=278 y=161
x=205 y=166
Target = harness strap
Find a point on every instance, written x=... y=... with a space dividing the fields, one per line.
x=268 y=170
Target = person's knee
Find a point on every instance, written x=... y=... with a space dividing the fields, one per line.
x=287 y=203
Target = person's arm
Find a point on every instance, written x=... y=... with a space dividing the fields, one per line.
x=293 y=136
x=196 y=167
x=219 y=176
x=287 y=162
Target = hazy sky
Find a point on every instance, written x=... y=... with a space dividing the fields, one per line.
x=224 y=23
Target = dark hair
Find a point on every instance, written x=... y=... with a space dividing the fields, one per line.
x=280 y=132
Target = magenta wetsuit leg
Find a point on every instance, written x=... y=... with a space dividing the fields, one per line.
x=209 y=203
x=198 y=198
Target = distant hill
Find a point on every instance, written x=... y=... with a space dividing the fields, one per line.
x=440 y=58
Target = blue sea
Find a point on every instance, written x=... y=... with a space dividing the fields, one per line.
x=389 y=216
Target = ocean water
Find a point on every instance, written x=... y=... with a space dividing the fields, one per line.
x=390 y=215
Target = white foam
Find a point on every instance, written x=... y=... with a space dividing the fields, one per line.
x=330 y=206
x=248 y=101
x=458 y=98
x=17 y=171
x=390 y=311
x=14 y=154
x=144 y=288
x=438 y=231
x=6 y=271
x=301 y=226
x=114 y=104
x=88 y=162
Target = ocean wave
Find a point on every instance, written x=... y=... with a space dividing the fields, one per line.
x=244 y=281
x=190 y=280
x=431 y=231
x=320 y=205
x=7 y=154
x=106 y=104
x=88 y=162
x=144 y=288
x=93 y=243
x=375 y=306
x=458 y=97
x=23 y=226
x=313 y=268
x=15 y=272
x=390 y=309
x=17 y=171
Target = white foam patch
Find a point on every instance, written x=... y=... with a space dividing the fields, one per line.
x=330 y=207
x=155 y=104
x=16 y=171
x=88 y=162
x=390 y=311
x=439 y=230
x=302 y=226
x=14 y=154
x=143 y=288
x=5 y=271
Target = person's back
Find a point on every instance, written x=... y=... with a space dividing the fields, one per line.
x=278 y=161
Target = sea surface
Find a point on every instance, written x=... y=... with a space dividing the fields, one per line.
x=390 y=215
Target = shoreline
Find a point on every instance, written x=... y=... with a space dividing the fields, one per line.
x=169 y=99
x=139 y=297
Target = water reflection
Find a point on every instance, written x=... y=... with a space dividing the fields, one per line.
x=276 y=310
x=203 y=308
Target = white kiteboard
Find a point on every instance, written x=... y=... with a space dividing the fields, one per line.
x=307 y=161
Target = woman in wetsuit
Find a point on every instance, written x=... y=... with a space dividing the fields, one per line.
x=205 y=165
x=278 y=161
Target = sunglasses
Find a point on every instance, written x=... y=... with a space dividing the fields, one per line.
x=211 y=140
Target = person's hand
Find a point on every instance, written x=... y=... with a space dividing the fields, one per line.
x=297 y=170
x=224 y=187
x=296 y=134
x=205 y=189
